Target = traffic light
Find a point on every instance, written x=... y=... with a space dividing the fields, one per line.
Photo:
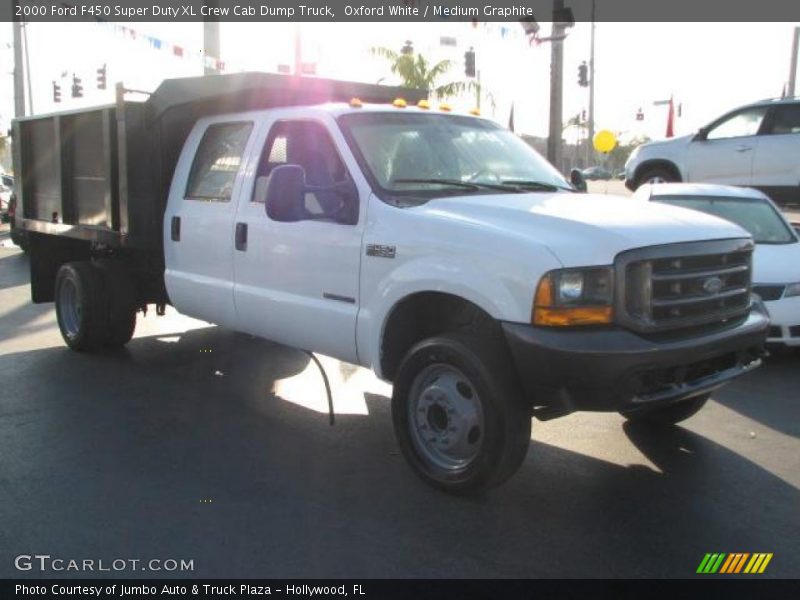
x=469 y=63
x=102 y=79
x=639 y=115
x=56 y=93
x=583 y=74
x=77 y=87
x=407 y=49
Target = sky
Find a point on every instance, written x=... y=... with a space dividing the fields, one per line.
x=708 y=68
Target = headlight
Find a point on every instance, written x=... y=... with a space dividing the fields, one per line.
x=567 y=297
x=793 y=289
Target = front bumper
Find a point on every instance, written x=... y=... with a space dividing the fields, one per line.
x=613 y=369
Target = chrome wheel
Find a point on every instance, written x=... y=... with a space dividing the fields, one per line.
x=445 y=417
x=69 y=308
x=656 y=179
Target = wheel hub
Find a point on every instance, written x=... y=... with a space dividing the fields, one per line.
x=446 y=419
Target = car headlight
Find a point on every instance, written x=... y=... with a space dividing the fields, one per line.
x=793 y=289
x=566 y=297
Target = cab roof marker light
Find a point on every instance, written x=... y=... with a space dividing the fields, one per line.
x=356 y=102
x=445 y=107
x=475 y=112
x=399 y=103
x=423 y=104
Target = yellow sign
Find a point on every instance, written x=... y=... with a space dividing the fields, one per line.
x=604 y=141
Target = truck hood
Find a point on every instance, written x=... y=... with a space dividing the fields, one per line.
x=776 y=263
x=581 y=229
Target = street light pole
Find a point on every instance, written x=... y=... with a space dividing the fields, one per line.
x=793 y=62
x=556 y=88
x=210 y=41
x=590 y=132
x=19 y=72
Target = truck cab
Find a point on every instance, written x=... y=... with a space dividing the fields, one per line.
x=437 y=249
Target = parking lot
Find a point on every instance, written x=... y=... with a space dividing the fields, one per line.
x=199 y=443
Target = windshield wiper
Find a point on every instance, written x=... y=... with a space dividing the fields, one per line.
x=535 y=185
x=472 y=185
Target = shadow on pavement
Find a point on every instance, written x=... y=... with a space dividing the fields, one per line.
x=756 y=395
x=175 y=447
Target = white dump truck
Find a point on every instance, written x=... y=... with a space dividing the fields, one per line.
x=364 y=223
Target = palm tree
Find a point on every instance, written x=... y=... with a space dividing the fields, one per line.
x=416 y=72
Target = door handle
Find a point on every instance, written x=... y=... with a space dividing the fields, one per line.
x=175 y=229
x=241 y=237
x=744 y=148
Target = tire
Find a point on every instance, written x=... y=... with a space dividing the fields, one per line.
x=121 y=298
x=669 y=414
x=81 y=306
x=656 y=175
x=461 y=390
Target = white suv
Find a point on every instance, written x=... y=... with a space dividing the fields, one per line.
x=757 y=145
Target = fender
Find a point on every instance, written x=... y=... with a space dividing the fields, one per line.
x=435 y=274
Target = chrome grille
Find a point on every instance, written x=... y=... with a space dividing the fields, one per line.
x=684 y=285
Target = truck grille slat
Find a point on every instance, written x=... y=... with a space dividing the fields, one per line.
x=679 y=286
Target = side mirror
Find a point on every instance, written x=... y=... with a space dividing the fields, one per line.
x=701 y=135
x=577 y=180
x=284 y=196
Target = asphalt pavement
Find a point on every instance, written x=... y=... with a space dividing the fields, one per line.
x=199 y=443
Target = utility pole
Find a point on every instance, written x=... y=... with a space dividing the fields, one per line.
x=210 y=41
x=556 y=87
x=590 y=131
x=19 y=72
x=793 y=62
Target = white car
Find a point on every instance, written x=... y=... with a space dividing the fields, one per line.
x=757 y=145
x=776 y=261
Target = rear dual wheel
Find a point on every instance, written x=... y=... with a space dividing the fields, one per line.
x=95 y=305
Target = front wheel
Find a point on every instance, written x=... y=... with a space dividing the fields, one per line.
x=458 y=414
x=669 y=414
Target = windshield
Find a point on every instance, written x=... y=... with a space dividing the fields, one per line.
x=412 y=157
x=755 y=215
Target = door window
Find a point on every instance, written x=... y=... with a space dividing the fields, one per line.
x=217 y=162
x=785 y=119
x=307 y=144
x=743 y=123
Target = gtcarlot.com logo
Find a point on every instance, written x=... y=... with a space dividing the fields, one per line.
x=734 y=563
x=45 y=562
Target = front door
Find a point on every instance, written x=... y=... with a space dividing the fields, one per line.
x=297 y=282
x=725 y=153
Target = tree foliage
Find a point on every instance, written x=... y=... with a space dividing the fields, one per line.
x=415 y=71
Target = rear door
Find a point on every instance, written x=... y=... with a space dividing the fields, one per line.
x=725 y=154
x=776 y=167
x=198 y=224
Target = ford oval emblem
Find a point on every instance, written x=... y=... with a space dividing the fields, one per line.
x=712 y=285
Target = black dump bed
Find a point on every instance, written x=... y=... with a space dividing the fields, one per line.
x=103 y=174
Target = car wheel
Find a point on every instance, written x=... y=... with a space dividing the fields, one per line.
x=458 y=413
x=121 y=302
x=657 y=175
x=81 y=306
x=669 y=414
